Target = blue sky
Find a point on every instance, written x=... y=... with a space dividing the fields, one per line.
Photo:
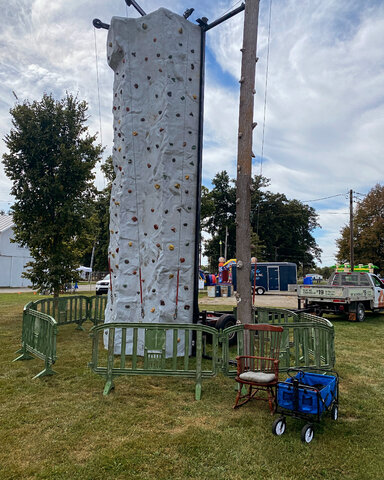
x=325 y=101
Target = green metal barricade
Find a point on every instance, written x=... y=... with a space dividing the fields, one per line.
x=307 y=341
x=65 y=310
x=147 y=352
x=38 y=339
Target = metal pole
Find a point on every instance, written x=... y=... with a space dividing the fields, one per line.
x=225 y=17
x=199 y=175
x=351 y=246
x=134 y=4
x=244 y=162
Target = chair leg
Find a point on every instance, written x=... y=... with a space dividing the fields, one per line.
x=239 y=396
x=272 y=399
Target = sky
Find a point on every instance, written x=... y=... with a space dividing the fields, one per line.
x=320 y=108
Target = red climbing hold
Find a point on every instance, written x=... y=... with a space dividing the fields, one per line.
x=134 y=219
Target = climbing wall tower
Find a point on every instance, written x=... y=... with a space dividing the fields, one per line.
x=156 y=64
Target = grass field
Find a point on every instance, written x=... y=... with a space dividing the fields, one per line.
x=62 y=427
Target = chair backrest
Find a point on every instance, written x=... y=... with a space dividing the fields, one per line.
x=262 y=341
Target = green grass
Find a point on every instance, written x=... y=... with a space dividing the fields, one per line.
x=62 y=427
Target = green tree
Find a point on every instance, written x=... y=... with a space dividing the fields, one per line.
x=100 y=222
x=368 y=232
x=50 y=161
x=281 y=228
x=218 y=212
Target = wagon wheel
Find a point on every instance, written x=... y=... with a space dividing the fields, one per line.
x=279 y=426
x=307 y=433
x=335 y=411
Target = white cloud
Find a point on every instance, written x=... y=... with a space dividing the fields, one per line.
x=325 y=104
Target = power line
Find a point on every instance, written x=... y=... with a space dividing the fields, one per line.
x=324 y=198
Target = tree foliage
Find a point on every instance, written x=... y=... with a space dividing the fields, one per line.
x=100 y=222
x=50 y=162
x=368 y=232
x=281 y=228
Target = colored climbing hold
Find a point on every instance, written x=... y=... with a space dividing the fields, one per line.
x=126 y=261
x=171 y=247
x=177 y=185
x=149 y=165
x=134 y=272
x=194 y=97
x=162 y=302
x=182 y=260
x=156 y=227
x=136 y=85
x=134 y=219
x=184 y=144
x=157 y=186
x=193 y=147
x=187 y=177
x=152 y=210
x=173 y=229
x=134 y=134
x=129 y=191
x=180 y=30
x=171 y=276
x=152 y=309
x=144 y=25
x=127 y=109
x=161 y=129
x=187 y=307
x=130 y=244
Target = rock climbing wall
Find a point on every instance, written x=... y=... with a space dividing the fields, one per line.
x=156 y=64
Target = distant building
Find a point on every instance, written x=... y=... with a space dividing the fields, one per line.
x=13 y=257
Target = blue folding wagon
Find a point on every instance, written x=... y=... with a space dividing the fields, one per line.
x=307 y=396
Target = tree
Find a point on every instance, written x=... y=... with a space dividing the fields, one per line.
x=281 y=228
x=368 y=234
x=50 y=161
x=218 y=211
x=100 y=221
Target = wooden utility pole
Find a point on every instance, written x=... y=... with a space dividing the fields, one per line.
x=244 y=162
x=351 y=246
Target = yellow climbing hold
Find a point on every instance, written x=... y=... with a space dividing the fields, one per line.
x=119 y=149
x=157 y=186
x=134 y=134
x=177 y=185
x=171 y=275
x=130 y=244
x=187 y=177
x=194 y=97
x=171 y=247
x=152 y=309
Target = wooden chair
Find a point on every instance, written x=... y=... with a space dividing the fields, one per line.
x=258 y=370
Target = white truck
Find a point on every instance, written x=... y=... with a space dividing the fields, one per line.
x=351 y=293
